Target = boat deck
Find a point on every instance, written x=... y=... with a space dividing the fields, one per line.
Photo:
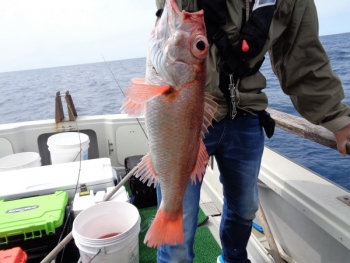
x=213 y=223
x=210 y=210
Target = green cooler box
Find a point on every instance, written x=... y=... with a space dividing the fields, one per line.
x=34 y=223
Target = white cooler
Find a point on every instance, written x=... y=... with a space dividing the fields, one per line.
x=95 y=174
x=86 y=199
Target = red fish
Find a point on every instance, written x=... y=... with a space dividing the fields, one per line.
x=177 y=113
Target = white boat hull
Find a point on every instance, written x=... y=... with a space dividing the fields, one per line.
x=307 y=220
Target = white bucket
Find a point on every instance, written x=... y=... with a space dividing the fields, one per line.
x=65 y=147
x=19 y=161
x=104 y=219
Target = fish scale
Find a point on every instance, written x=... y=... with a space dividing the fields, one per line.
x=173 y=101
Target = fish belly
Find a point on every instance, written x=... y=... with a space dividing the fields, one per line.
x=174 y=130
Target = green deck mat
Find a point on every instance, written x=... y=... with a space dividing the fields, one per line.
x=202 y=218
x=205 y=246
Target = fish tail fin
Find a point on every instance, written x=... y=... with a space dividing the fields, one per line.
x=201 y=165
x=137 y=94
x=165 y=229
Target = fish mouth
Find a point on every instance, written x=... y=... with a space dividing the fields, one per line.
x=180 y=61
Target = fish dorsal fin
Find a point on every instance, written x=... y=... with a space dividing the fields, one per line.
x=210 y=109
x=201 y=165
x=138 y=93
x=145 y=171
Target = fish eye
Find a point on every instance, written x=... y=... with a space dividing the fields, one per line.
x=199 y=46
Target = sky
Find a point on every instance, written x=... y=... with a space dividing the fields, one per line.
x=51 y=33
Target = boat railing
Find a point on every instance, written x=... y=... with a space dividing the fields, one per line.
x=290 y=123
x=305 y=129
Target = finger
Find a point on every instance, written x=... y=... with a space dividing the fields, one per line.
x=341 y=146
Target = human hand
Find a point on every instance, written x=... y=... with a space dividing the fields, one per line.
x=342 y=136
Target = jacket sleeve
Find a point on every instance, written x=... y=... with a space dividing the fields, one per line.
x=160 y=4
x=304 y=71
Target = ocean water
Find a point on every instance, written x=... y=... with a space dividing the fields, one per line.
x=30 y=95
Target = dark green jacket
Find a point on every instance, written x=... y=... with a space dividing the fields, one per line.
x=297 y=58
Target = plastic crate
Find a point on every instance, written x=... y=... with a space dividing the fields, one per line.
x=142 y=195
x=33 y=223
x=14 y=255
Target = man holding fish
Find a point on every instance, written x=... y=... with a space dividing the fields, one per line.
x=203 y=84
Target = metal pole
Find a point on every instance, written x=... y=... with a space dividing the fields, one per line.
x=66 y=240
x=267 y=231
x=305 y=129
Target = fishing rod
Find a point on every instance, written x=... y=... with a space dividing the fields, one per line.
x=123 y=93
x=75 y=191
x=51 y=257
x=68 y=238
x=62 y=244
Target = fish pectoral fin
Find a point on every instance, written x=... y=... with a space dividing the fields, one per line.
x=137 y=94
x=145 y=171
x=140 y=92
x=201 y=165
x=210 y=109
x=131 y=108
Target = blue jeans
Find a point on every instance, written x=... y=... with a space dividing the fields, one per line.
x=237 y=146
